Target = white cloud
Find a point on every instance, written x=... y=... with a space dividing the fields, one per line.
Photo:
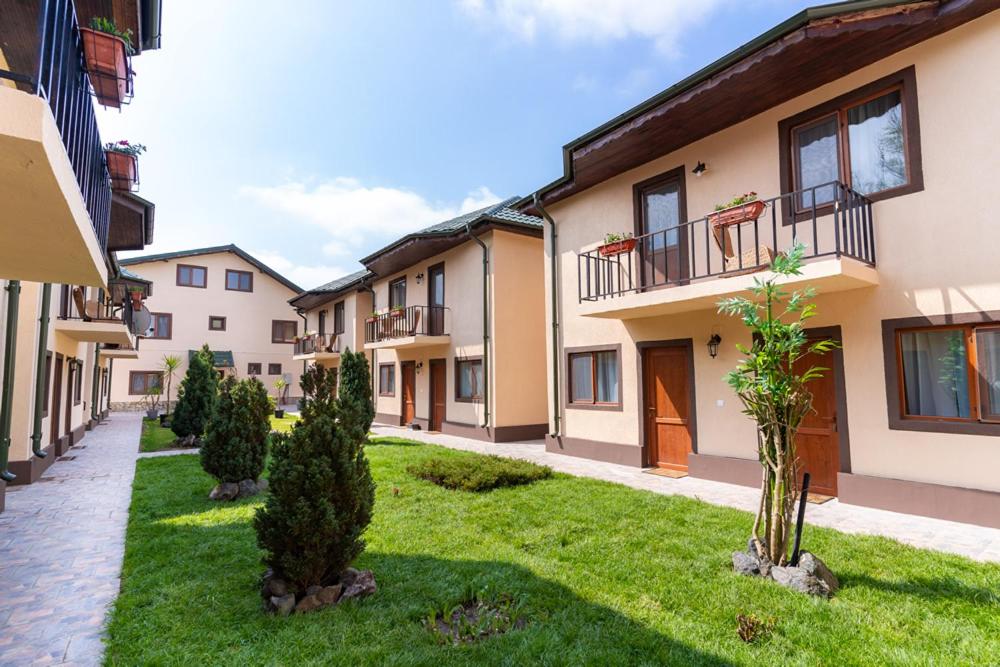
x=305 y=277
x=662 y=21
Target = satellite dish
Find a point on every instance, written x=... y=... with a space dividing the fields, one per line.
x=142 y=322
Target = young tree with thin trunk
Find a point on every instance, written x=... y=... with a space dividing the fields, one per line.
x=773 y=393
x=170 y=365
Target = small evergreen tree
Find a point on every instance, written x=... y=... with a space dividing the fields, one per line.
x=196 y=396
x=235 y=442
x=356 y=388
x=321 y=491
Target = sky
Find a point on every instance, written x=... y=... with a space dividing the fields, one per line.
x=317 y=133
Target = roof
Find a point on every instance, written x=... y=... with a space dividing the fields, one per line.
x=220 y=358
x=328 y=291
x=214 y=250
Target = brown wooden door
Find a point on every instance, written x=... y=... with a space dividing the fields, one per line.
x=663 y=244
x=70 y=379
x=435 y=300
x=668 y=407
x=438 y=392
x=818 y=442
x=409 y=391
x=56 y=399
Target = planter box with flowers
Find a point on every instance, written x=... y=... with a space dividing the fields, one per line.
x=123 y=164
x=107 y=52
x=616 y=244
x=736 y=211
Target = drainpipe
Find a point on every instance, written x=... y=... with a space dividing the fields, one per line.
x=486 y=324
x=555 y=313
x=40 y=378
x=305 y=327
x=374 y=371
x=6 y=401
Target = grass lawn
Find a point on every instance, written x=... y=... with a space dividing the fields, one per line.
x=154 y=437
x=283 y=424
x=605 y=574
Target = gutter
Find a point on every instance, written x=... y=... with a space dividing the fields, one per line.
x=40 y=378
x=486 y=324
x=555 y=313
x=6 y=401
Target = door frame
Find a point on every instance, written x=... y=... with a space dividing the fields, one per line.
x=58 y=363
x=675 y=174
x=687 y=345
x=430 y=391
x=840 y=391
x=71 y=370
x=430 y=301
x=402 y=390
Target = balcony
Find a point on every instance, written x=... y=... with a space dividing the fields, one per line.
x=54 y=184
x=317 y=347
x=415 y=326
x=693 y=265
x=101 y=320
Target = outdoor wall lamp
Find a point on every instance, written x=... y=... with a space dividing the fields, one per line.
x=698 y=170
x=713 y=345
x=420 y=364
x=420 y=278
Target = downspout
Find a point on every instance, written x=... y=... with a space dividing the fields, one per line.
x=371 y=290
x=555 y=313
x=95 y=392
x=6 y=401
x=486 y=324
x=40 y=378
x=305 y=327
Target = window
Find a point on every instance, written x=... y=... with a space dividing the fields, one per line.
x=239 y=281
x=107 y=384
x=397 y=293
x=216 y=323
x=387 y=379
x=78 y=384
x=468 y=379
x=868 y=139
x=163 y=326
x=253 y=369
x=140 y=382
x=274 y=369
x=322 y=322
x=283 y=331
x=338 y=318
x=593 y=378
x=192 y=276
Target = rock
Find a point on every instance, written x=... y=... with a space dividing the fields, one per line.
x=313 y=590
x=330 y=594
x=307 y=604
x=348 y=576
x=745 y=563
x=817 y=568
x=283 y=604
x=187 y=441
x=248 y=487
x=362 y=584
x=272 y=586
x=262 y=484
x=225 y=491
x=799 y=580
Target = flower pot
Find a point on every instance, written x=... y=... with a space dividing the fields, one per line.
x=107 y=66
x=279 y=413
x=734 y=215
x=136 y=300
x=617 y=248
x=152 y=413
x=124 y=170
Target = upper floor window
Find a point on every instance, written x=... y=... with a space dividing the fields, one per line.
x=868 y=139
x=192 y=276
x=253 y=368
x=239 y=281
x=397 y=293
x=338 y=318
x=283 y=331
x=216 y=323
x=163 y=324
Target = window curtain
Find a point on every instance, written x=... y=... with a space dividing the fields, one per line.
x=817 y=160
x=607 y=377
x=662 y=213
x=988 y=351
x=875 y=133
x=581 y=369
x=935 y=373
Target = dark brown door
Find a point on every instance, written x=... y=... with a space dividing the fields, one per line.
x=818 y=442
x=409 y=391
x=70 y=379
x=438 y=393
x=663 y=237
x=668 y=406
x=56 y=399
x=435 y=300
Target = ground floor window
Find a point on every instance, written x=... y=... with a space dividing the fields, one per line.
x=274 y=369
x=387 y=379
x=253 y=368
x=594 y=377
x=141 y=382
x=468 y=379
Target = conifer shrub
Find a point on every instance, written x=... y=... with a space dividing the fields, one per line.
x=321 y=492
x=356 y=387
x=196 y=396
x=235 y=444
x=476 y=472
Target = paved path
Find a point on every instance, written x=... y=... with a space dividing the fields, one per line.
x=975 y=542
x=61 y=545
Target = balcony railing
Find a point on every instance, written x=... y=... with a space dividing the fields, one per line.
x=314 y=343
x=74 y=305
x=59 y=76
x=408 y=322
x=840 y=225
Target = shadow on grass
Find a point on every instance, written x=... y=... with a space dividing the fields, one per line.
x=392 y=440
x=945 y=588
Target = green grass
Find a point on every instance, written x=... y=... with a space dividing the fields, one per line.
x=284 y=424
x=605 y=575
x=478 y=473
x=154 y=437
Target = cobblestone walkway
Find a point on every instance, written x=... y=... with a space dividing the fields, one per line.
x=975 y=542
x=61 y=545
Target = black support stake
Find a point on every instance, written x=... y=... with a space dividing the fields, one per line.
x=799 y=520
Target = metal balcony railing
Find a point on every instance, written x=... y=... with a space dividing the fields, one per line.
x=831 y=219
x=59 y=76
x=406 y=322
x=74 y=305
x=313 y=343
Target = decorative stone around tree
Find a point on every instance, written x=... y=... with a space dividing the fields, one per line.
x=234 y=448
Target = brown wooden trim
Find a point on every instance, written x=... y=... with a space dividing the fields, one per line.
x=170 y=326
x=514 y=433
x=906 y=81
x=640 y=348
x=430 y=389
x=217 y=317
x=30 y=470
x=145 y=381
x=241 y=273
x=274 y=331
x=596 y=450
x=951 y=503
x=893 y=376
x=388 y=419
x=271 y=368
x=392 y=373
x=638 y=190
x=728 y=469
x=191 y=266
x=840 y=388
x=568 y=377
x=473 y=399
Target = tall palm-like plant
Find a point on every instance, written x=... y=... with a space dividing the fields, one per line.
x=773 y=393
x=170 y=366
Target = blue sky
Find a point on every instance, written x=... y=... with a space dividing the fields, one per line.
x=312 y=134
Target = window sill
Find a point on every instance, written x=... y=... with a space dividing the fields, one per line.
x=607 y=407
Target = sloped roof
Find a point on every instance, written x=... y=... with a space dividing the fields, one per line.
x=214 y=250
x=328 y=291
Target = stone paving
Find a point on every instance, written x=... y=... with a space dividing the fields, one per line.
x=61 y=546
x=975 y=542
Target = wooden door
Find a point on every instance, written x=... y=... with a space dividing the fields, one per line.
x=818 y=441
x=663 y=243
x=56 y=399
x=435 y=300
x=70 y=379
x=409 y=391
x=438 y=393
x=668 y=406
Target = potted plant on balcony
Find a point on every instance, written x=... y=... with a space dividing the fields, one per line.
x=279 y=388
x=742 y=208
x=123 y=163
x=396 y=311
x=616 y=244
x=106 y=50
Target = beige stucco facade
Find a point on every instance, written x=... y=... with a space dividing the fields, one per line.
x=935 y=257
x=357 y=305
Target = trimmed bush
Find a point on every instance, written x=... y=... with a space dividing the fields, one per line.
x=478 y=473
x=321 y=492
x=356 y=388
x=235 y=444
x=196 y=397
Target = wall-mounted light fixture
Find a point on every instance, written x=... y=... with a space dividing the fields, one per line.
x=713 y=345
x=420 y=278
x=699 y=169
x=419 y=365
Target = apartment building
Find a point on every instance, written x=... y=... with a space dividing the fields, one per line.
x=219 y=296
x=865 y=128
x=67 y=310
x=456 y=327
